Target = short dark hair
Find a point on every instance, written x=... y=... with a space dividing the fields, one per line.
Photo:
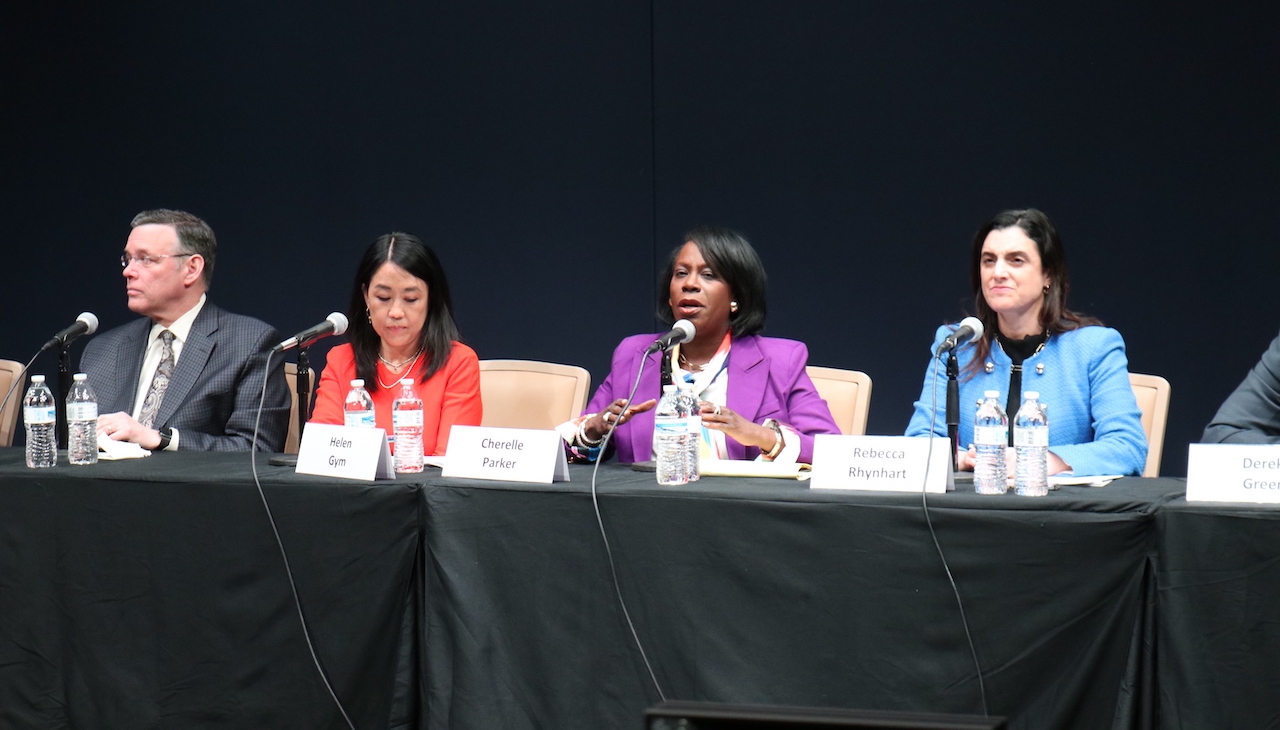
x=732 y=258
x=439 y=331
x=194 y=235
x=1055 y=318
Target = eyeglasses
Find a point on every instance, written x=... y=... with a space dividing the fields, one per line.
x=148 y=261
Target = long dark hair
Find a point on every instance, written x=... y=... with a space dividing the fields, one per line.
x=439 y=331
x=732 y=258
x=1055 y=318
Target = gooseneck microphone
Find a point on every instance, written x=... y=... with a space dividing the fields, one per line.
x=970 y=330
x=682 y=331
x=334 y=324
x=85 y=324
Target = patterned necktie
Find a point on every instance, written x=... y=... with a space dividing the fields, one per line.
x=159 y=382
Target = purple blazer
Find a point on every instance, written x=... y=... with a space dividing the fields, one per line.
x=766 y=380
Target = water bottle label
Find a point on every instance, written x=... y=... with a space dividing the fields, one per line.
x=359 y=419
x=668 y=425
x=990 y=435
x=39 y=414
x=82 y=411
x=407 y=419
x=1030 y=437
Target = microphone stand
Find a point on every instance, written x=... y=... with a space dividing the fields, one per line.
x=64 y=387
x=953 y=407
x=304 y=407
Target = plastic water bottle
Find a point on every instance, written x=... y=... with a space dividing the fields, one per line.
x=82 y=422
x=406 y=417
x=1031 y=447
x=692 y=413
x=40 y=415
x=669 y=442
x=358 y=409
x=990 y=439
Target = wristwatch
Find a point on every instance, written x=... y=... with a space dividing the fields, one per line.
x=165 y=437
x=778 y=442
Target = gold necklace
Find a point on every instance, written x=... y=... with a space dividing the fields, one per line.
x=1018 y=368
x=398 y=366
x=684 y=362
x=393 y=370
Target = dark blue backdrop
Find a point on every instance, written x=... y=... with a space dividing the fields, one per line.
x=554 y=152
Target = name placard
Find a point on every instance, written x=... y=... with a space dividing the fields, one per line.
x=506 y=454
x=1233 y=473
x=881 y=463
x=348 y=452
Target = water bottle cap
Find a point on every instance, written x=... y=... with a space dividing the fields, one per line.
x=79 y=377
x=669 y=388
x=357 y=383
x=37 y=379
x=406 y=381
x=991 y=394
x=1031 y=395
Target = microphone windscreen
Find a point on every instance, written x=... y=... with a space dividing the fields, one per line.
x=90 y=320
x=974 y=324
x=687 y=328
x=339 y=322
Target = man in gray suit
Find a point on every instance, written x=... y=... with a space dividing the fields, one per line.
x=1251 y=414
x=188 y=375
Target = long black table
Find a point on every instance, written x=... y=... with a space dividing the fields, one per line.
x=151 y=594
x=764 y=591
x=1218 y=609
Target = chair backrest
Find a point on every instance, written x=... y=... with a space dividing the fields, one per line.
x=848 y=395
x=1152 y=393
x=9 y=371
x=531 y=394
x=295 y=433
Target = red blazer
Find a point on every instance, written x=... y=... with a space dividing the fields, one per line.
x=451 y=396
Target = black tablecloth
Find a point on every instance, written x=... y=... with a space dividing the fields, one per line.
x=1218 y=612
x=151 y=593
x=765 y=591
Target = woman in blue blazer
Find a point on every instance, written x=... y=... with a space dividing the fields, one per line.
x=1033 y=342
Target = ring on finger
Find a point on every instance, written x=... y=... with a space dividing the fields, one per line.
x=717 y=410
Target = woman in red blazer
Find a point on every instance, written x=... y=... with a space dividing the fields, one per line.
x=402 y=327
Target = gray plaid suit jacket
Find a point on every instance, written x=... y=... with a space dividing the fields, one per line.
x=213 y=395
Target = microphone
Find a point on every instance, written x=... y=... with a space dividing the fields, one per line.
x=970 y=330
x=682 y=332
x=334 y=324
x=85 y=324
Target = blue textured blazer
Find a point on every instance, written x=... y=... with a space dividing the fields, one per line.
x=213 y=395
x=1094 y=422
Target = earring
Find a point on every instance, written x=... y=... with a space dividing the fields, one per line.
x=733 y=306
x=1046 y=288
x=367 y=315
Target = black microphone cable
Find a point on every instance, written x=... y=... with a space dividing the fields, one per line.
x=924 y=495
x=293 y=587
x=595 y=502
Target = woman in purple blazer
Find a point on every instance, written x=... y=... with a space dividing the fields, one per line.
x=757 y=400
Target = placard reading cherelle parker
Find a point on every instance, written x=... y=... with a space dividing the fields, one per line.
x=881 y=463
x=505 y=454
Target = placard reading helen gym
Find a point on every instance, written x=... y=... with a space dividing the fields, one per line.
x=349 y=452
x=881 y=463
x=1233 y=473
x=506 y=454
